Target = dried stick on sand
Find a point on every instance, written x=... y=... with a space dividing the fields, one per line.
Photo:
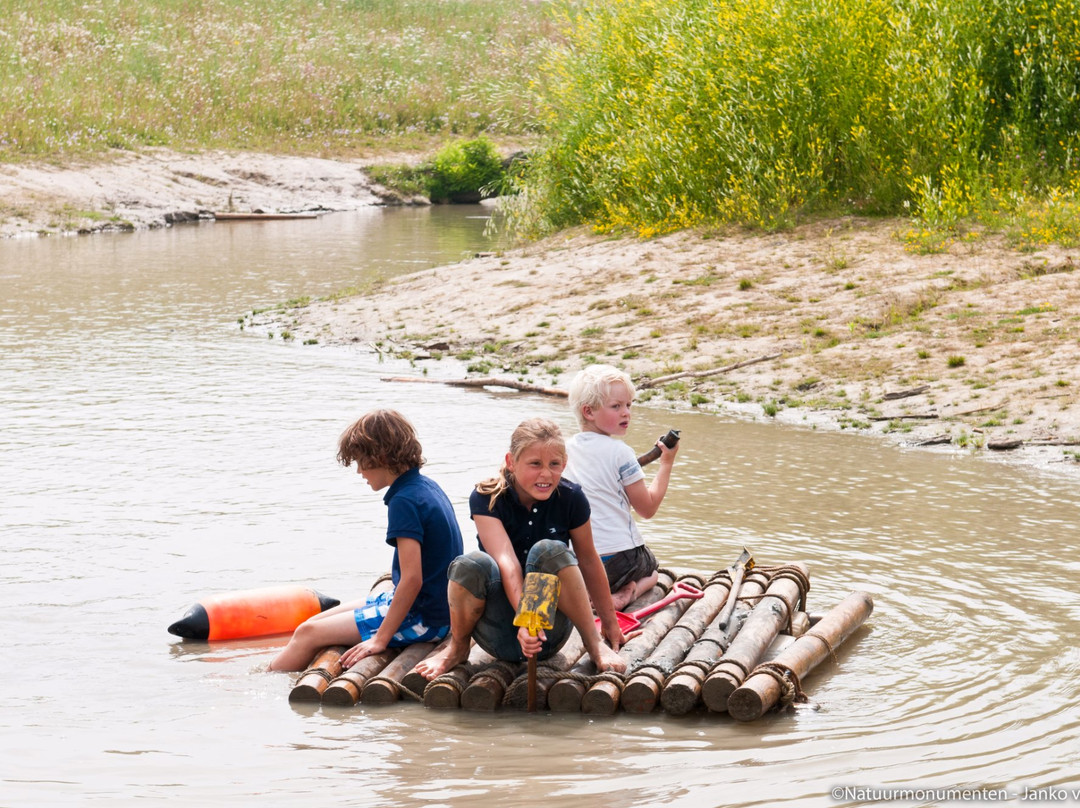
x=701 y=374
x=511 y=383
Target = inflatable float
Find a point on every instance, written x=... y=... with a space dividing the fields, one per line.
x=251 y=613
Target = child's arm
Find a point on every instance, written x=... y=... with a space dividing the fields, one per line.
x=646 y=499
x=405 y=593
x=596 y=583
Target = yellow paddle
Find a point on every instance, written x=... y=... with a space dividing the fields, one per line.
x=539 y=599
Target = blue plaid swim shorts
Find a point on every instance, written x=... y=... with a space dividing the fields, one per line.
x=412 y=629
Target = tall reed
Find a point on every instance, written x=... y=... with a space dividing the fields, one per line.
x=668 y=113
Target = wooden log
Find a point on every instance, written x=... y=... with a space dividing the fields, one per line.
x=323 y=669
x=345 y=690
x=682 y=690
x=642 y=690
x=548 y=672
x=414 y=682
x=800 y=624
x=444 y=692
x=603 y=697
x=487 y=686
x=736 y=574
x=786 y=590
x=772 y=681
x=565 y=695
x=317 y=690
x=386 y=688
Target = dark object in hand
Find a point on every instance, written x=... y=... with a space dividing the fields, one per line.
x=669 y=440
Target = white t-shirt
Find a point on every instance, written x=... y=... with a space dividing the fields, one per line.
x=603 y=466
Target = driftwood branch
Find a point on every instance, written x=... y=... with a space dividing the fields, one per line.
x=701 y=374
x=936 y=440
x=927 y=417
x=915 y=391
x=979 y=410
x=511 y=383
x=1004 y=445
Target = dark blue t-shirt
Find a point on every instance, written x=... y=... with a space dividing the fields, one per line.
x=417 y=508
x=553 y=518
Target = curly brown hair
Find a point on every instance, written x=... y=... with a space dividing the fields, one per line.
x=381 y=439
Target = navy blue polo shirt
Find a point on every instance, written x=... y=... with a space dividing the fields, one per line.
x=417 y=508
x=553 y=518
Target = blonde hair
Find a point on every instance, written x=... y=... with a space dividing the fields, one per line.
x=592 y=386
x=528 y=433
x=381 y=439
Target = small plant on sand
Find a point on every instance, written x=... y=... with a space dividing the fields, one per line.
x=955 y=361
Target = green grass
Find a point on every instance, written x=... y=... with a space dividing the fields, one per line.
x=310 y=76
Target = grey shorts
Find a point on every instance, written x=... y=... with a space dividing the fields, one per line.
x=495 y=632
x=629 y=565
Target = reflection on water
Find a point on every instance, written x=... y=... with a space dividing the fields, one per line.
x=154 y=453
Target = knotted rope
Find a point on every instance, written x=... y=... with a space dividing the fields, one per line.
x=323 y=672
x=790 y=687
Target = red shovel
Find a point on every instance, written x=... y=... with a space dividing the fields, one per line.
x=632 y=621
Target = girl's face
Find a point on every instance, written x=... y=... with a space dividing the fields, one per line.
x=537 y=471
x=613 y=418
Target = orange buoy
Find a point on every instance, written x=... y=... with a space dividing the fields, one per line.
x=251 y=613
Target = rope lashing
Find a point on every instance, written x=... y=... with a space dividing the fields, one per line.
x=790 y=687
x=696 y=669
x=323 y=672
x=825 y=642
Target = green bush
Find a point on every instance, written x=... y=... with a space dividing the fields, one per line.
x=664 y=114
x=466 y=170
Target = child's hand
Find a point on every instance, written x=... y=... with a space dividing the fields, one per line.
x=361 y=651
x=530 y=645
x=612 y=632
x=667 y=455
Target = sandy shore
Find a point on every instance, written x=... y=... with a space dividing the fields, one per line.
x=975 y=349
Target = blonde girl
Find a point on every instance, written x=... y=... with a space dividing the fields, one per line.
x=528 y=519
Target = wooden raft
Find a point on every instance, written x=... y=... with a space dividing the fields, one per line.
x=743 y=648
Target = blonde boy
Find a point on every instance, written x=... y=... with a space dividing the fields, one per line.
x=608 y=471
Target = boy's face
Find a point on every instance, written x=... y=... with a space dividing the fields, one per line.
x=377 y=478
x=613 y=418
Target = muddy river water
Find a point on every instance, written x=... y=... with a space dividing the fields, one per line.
x=153 y=452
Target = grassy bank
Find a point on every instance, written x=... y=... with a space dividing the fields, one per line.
x=665 y=114
x=317 y=77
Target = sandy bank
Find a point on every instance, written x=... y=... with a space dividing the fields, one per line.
x=842 y=328
x=961 y=351
x=158 y=187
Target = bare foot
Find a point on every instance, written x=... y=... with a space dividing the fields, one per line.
x=624 y=597
x=436 y=665
x=606 y=659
